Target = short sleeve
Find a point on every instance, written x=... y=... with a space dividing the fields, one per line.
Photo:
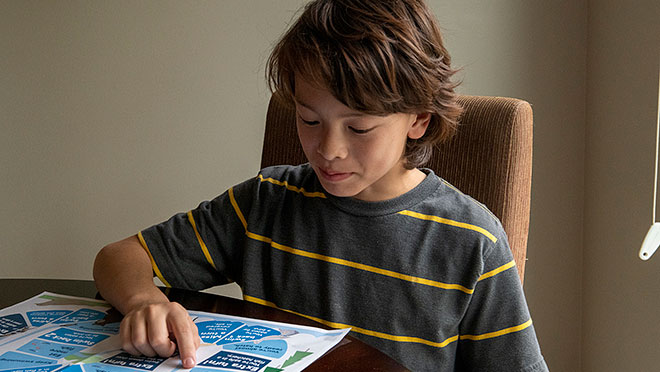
x=203 y=247
x=496 y=332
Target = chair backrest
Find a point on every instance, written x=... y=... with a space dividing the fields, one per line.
x=490 y=158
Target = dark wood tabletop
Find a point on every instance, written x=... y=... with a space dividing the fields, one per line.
x=350 y=354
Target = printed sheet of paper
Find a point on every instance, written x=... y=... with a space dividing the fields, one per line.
x=52 y=333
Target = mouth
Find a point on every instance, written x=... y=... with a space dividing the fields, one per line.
x=333 y=176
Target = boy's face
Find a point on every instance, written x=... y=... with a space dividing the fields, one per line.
x=355 y=154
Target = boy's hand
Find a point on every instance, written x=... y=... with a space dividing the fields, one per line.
x=152 y=329
x=152 y=324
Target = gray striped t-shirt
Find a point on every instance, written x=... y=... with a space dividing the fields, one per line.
x=427 y=277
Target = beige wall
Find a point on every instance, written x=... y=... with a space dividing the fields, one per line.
x=116 y=114
x=621 y=293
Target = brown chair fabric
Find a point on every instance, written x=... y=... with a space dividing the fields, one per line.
x=490 y=158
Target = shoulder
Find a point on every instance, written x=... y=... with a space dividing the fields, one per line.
x=466 y=207
x=283 y=178
x=451 y=201
x=462 y=214
x=293 y=173
x=462 y=207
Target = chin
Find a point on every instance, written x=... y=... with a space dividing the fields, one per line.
x=339 y=192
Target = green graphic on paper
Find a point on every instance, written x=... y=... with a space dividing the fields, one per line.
x=296 y=357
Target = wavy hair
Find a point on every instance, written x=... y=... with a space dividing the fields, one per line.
x=374 y=56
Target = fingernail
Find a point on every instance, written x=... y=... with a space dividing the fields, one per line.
x=189 y=362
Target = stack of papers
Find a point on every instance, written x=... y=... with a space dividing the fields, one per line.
x=52 y=332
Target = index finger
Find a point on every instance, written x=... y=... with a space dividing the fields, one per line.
x=187 y=339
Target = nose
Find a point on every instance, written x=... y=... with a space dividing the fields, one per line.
x=332 y=145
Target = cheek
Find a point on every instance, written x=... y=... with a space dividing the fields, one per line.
x=377 y=150
x=307 y=139
x=387 y=147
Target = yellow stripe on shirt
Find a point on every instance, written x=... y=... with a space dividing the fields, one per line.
x=299 y=190
x=153 y=263
x=359 y=266
x=232 y=200
x=494 y=272
x=202 y=245
x=449 y=222
x=397 y=338
x=497 y=333
x=340 y=261
x=363 y=331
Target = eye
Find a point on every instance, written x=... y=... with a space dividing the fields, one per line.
x=360 y=131
x=308 y=122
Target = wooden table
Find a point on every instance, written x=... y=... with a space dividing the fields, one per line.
x=350 y=354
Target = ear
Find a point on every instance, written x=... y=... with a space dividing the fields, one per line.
x=419 y=126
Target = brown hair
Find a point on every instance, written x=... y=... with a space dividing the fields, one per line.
x=375 y=56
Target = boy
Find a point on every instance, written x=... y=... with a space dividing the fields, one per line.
x=360 y=236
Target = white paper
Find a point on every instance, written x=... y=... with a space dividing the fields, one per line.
x=52 y=332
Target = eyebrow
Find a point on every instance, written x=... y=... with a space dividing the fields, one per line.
x=350 y=114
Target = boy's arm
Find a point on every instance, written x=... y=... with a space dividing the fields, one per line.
x=124 y=277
